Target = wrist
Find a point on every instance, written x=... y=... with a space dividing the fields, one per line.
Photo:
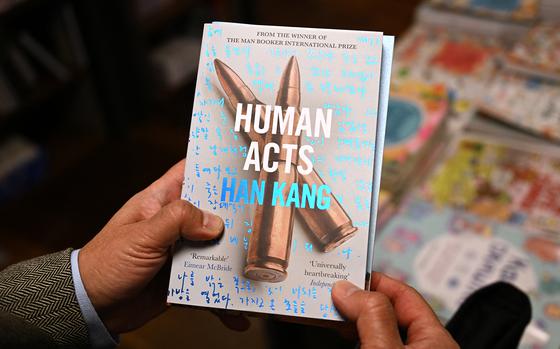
x=94 y=286
x=99 y=334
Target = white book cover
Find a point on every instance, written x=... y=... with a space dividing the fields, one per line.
x=285 y=144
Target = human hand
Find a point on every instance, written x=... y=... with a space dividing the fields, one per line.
x=379 y=313
x=125 y=267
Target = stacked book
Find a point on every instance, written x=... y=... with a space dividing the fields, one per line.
x=487 y=209
x=489 y=212
x=415 y=130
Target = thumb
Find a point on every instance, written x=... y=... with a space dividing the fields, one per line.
x=372 y=312
x=177 y=219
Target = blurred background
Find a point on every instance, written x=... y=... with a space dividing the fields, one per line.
x=95 y=104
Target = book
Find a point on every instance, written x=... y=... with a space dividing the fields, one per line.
x=511 y=182
x=550 y=10
x=307 y=218
x=415 y=127
x=537 y=53
x=491 y=127
x=492 y=194
x=513 y=10
x=386 y=208
x=459 y=21
x=461 y=62
x=447 y=253
x=416 y=111
x=528 y=103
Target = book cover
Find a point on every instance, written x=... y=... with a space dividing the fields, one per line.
x=459 y=61
x=286 y=146
x=415 y=129
x=510 y=182
x=528 y=103
x=447 y=253
x=416 y=111
x=514 y=10
x=537 y=53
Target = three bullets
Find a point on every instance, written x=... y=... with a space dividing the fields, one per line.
x=271 y=238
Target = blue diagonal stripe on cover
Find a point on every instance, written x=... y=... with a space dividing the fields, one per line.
x=41 y=292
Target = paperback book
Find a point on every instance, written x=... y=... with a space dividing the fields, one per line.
x=537 y=53
x=459 y=61
x=286 y=145
x=488 y=212
x=513 y=10
x=447 y=253
x=509 y=181
x=528 y=103
x=415 y=128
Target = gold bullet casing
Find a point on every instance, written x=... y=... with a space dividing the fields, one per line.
x=238 y=92
x=331 y=227
x=271 y=238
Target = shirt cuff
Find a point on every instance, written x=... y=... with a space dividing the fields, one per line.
x=99 y=336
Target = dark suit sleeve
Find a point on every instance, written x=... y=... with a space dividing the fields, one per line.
x=41 y=292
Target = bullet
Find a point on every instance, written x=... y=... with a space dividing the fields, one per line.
x=271 y=239
x=237 y=92
x=330 y=227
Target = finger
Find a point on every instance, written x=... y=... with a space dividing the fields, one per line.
x=150 y=200
x=168 y=187
x=373 y=313
x=178 y=219
x=413 y=312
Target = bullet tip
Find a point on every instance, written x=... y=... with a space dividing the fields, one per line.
x=289 y=89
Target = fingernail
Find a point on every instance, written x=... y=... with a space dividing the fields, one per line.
x=212 y=222
x=345 y=288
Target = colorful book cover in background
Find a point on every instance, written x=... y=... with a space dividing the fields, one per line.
x=459 y=61
x=511 y=183
x=529 y=103
x=538 y=50
x=416 y=110
x=285 y=145
x=519 y=10
x=447 y=254
x=446 y=53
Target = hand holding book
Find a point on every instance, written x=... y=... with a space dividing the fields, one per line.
x=125 y=268
x=125 y=271
x=378 y=315
x=295 y=178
